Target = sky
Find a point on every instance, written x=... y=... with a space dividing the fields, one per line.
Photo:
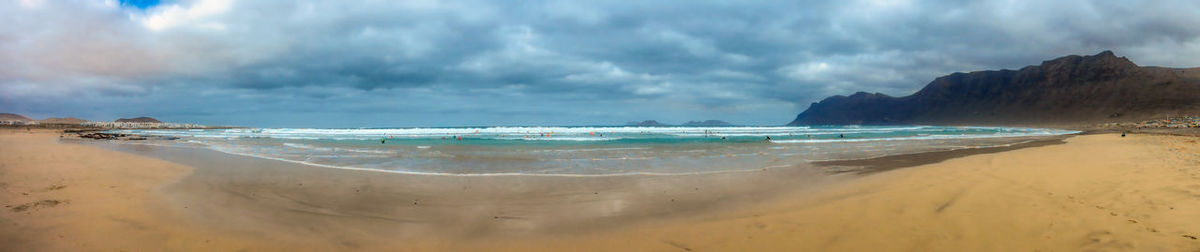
x=292 y=63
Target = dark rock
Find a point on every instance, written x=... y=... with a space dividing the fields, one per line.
x=102 y=136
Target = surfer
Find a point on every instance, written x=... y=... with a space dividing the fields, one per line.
x=768 y=138
x=841 y=136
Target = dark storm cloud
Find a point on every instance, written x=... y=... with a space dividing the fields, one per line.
x=336 y=63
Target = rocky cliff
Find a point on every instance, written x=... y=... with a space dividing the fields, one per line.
x=1067 y=90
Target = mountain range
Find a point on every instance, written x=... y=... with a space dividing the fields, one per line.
x=69 y=120
x=1068 y=90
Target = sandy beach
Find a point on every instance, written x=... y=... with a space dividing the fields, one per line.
x=1089 y=192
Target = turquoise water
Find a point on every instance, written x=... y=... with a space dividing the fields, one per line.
x=588 y=151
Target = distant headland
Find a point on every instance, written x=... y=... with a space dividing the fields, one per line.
x=10 y=119
x=1071 y=90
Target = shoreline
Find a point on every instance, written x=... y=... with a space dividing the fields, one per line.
x=923 y=155
x=315 y=194
x=892 y=162
x=594 y=202
x=311 y=203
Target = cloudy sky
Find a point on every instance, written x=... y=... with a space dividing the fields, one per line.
x=337 y=63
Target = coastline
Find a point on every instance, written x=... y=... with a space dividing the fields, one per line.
x=764 y=209
x=892 y=162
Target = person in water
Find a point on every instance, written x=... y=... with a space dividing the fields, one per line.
x=382 y=140
x=841 y=136
x=768 y=138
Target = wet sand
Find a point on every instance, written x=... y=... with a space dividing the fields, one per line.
x=887 y=163
x=1093 y=192
x=254 y=195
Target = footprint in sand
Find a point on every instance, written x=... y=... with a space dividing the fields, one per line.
x=1105 y=240
x=37 y=204
x=54 y=187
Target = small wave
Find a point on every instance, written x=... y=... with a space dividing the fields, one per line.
x=598 y=149
x=333 y=149
x=374 y=151
x=308 y=147
x=570 y=139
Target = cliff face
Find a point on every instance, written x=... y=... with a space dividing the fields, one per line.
x=1067 y=90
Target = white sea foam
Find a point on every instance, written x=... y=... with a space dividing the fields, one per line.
x=552 y=138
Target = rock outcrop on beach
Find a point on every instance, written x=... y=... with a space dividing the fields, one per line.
x=1067 y=90
x=14 y=117
x=138 y=120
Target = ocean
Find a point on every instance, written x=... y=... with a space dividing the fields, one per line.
x=587 y=151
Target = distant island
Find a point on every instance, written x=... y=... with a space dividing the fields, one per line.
x=139 y=120
x=1071 y=90
x=705 y=123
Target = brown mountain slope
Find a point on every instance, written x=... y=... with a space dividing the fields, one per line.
x=14 y=117
x=1068 y=90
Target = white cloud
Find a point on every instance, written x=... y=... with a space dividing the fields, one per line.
x=197 y=15
x=706 y=55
